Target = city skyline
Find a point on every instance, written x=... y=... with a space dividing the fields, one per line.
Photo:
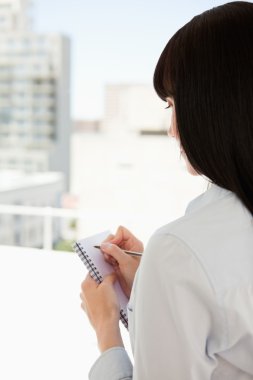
x=112 y=42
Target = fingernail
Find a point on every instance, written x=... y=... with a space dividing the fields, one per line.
x=105 y=246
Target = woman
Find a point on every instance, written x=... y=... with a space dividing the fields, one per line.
x=191 y=305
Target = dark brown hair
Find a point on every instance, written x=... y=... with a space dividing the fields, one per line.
x=207 y=67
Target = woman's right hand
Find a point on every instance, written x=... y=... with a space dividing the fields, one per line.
x=125 y=266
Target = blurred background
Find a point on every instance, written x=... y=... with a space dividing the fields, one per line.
x=83 y=148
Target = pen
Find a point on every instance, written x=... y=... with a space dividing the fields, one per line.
x=132 y=253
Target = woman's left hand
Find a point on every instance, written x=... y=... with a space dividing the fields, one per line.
x=101 y=305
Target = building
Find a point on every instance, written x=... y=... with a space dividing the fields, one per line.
x=134 y=108
x=14 y=15
x=38 y=189
x=34 y=94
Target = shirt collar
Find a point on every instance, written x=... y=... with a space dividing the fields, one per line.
x=213 y=193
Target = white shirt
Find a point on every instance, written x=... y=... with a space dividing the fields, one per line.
x=191 y=307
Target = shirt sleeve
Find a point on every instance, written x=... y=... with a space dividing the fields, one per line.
x=113 y=364
x=175 y=313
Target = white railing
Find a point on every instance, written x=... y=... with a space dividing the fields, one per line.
x=48 y=213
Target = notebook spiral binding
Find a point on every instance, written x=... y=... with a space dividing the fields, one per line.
x=94 y=272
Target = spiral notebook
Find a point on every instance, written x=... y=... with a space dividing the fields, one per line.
x=98 y=268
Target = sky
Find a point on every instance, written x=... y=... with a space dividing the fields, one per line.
x=112 y=41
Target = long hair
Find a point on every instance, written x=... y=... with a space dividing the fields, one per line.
x=207 y=67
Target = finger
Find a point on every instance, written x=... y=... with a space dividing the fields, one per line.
x=109 y=259
x=110 y=279
x=125 y=238
x=106 y=256
x=88 y=284
x=118 y=254
x=82 y=296
x=122 y=234
x=109 y=238
x=83 y=307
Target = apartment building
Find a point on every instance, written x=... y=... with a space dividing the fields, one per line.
x=34 y=94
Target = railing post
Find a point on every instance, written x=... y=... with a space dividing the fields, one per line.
x=48 y=230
